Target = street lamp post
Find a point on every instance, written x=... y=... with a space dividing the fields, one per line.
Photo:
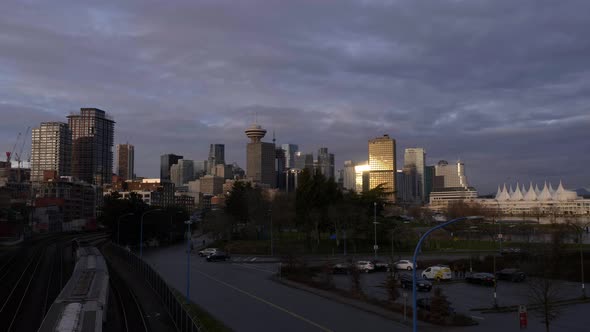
x=141 y=231
x=188 y=259
x=416 y=250
x=375 y=247
x=580 y=231
x=119 y=222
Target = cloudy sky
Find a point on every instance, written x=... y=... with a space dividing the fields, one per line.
x=502 y=85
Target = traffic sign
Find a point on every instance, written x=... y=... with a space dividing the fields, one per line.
x=375 y=247
x=500 y=236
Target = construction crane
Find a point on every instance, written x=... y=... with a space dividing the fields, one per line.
x=18 y=155
x=11 y=152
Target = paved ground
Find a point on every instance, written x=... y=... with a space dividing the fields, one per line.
x=243 y=296
x=462 y=295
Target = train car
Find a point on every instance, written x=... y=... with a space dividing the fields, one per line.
x=83 y=303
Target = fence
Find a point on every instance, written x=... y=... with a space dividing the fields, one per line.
x=184 y=321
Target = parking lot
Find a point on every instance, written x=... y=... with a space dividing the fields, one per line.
x=463 y=296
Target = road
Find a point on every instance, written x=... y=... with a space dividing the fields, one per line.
x=245 y=299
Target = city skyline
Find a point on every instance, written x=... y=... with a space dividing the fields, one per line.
x=507 y=104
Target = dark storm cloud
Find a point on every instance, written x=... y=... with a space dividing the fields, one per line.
x=503 y=85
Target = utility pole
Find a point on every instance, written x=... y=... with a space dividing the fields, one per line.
x=375 y=247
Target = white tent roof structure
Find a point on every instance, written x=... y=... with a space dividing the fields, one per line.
x=534 y=194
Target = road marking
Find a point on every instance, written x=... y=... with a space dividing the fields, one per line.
x=477 y=317
x=265 y=301
x=253 y=259
x=254 y=268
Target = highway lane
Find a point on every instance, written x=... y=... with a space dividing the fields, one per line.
x=245 y=299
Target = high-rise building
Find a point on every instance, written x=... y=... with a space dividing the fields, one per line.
x=326 y=163
x=406 y=184
x=216 y=156
x=349 y=175
x=126 y=161
x=428 y=182
x=382 y=162
x=166 y=161
x=450 y=176
x=290 y=150
x=92 y=145
x=51 y=150
x=260 y=157
x=224 y=171
x=362 y=175
x=182 y=172
x=414 y=158
x=304 y=161
x=281 y=168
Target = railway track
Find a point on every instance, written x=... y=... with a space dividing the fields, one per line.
x=33 y=277
x=132 y=316
x=7 y=265
x=13 y=302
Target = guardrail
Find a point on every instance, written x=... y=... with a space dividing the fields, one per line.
x=182 y=319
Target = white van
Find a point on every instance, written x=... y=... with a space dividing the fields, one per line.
x=437 y=272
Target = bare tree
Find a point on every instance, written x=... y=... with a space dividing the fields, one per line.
x=544 y=290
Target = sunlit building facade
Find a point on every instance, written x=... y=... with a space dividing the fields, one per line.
x=382 y=163
x=51 y=150
x=362 y=177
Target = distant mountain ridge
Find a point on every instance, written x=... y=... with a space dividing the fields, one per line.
x=583 y=192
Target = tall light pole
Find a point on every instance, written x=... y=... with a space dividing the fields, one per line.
x=418 y=245
x=141 y=231
x=375 y=247
x=579 y=229
x=188 y=259
x=119 y=222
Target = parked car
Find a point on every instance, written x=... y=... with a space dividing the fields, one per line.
x=424 y=303
x=481 y=278
x=421 y=284
x=365 y=266
x=341 y=268
x=511 y=251
x=404 y=264
x=380 y=265
x=512 y=274
x=217 y=256
x=437 y=272
x=207 y=251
